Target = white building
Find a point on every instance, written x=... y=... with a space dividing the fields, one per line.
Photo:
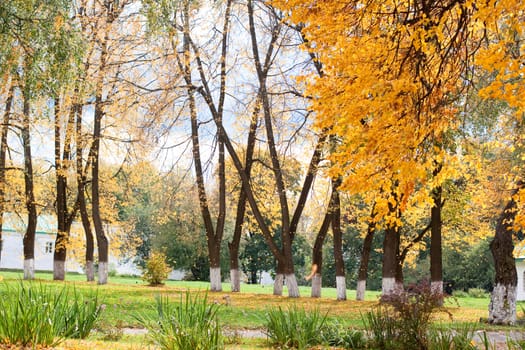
x=12 y=254
x=519 y=255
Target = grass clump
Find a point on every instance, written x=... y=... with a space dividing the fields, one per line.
x=190 y=324
x=295 y=328
x=336 y=335
x=34 y=314
x=459 y=337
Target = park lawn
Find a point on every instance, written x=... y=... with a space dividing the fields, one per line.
x=125 y=298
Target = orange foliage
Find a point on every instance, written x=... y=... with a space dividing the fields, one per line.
x=396 y=74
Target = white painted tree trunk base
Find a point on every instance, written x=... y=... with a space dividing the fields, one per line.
x=436 y=287
x=340 y=284
x=59 y=270
x=293 y=287
x=388 y=285
x=278 y=284
x=29 y=269
x=317 y=285
x=90 y=271
x=215 y=279
x=360 y=291
x=502 y=307
x=235 y=280
x=102 y=273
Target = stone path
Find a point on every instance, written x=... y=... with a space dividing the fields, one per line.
x=497 y=339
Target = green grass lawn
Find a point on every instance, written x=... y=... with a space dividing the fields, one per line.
x=126 y=298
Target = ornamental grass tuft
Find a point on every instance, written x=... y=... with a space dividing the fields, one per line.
x=34 y=314
x=295 y=327
x=189 y=324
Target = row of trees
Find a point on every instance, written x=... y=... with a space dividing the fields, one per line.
x=405 y=121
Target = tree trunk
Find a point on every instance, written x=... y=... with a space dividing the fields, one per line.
x=317 y=254
x=502 y=307
x=215 y=268
x=365 y=257
x=29 y=269
x=390 y=249
x=317 y=285
x=291 y=284
x=62 y=238
x=102 y=241
x=90 y=270
x=213 y=234
x=338 y=243
x=286 y=234
x=235 y=280
x=3 y=155
x=278 y=283
x=436 y=262
x=81 y=188
x=233 y=246
x=29 y=237
x=215 y=279
x=90 y=242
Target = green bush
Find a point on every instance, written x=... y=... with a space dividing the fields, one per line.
x=295 y=328
x=190 y=324
x=156 y=270
x=35 y=314
x=459 y=294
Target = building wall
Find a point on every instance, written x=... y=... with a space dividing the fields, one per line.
x=12 y=255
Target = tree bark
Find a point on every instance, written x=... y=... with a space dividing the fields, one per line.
x=317 y=254
x=3 y=155
x=278 y=283
x=102 y=241
x=233 y=246
x=213 y=234
x=365 y=258
x=436 y=260
x=390 y=249
x=338 y=243
x=64 y=215
x=84 y=216
x=286 y=236
x=29 y=237
x=502 y=307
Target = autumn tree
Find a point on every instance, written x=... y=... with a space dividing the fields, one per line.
x=38 y=65
x=194 y=66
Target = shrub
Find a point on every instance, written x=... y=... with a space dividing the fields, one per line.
x=190 y=324
x=459 y=294
x=402 y=320
x=295 y=327
x=156 y=270
x=35 y=314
